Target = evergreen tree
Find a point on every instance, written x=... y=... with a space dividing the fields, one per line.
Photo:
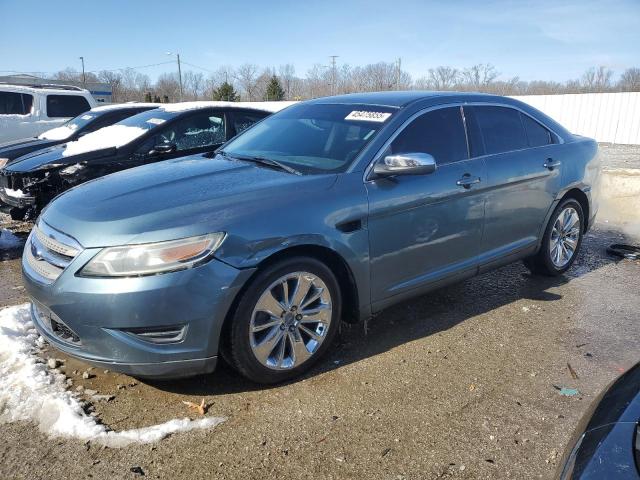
x=274 y=90
x=147 y=97
x=225 y=92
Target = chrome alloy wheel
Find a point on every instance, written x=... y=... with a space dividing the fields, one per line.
x=290 y=320
x=564 y=237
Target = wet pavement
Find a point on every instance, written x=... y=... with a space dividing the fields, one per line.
x=459 y=383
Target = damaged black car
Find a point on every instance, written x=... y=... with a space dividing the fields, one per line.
x=30 y=182
x=77 y=127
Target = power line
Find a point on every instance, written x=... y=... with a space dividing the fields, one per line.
x=198 y=66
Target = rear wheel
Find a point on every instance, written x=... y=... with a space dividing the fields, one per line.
x=561 y=242
x=285 y=320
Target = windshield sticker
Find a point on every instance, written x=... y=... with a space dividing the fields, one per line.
x=156 y=121
x=368 y=116
x=86 y=117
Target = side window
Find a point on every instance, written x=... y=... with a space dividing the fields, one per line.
x=66 y=105
x=439 y=133
x=195 y=131
x=537 y=135
x=501 y=128
x=12 y=103
x=243 y=120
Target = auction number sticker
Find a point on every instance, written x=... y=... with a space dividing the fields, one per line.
x=156 y=121
x=368 y=116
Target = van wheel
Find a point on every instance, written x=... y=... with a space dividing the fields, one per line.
x=285 y=320
x=561 y=242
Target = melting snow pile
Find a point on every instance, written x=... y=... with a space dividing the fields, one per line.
x=8 y=240
x=107 y=137
x=31 y=392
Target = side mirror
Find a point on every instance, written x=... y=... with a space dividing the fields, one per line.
x=405 y=164
x=163 y=148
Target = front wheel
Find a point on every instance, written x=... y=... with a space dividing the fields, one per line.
x=285 y=320
x=561 y=242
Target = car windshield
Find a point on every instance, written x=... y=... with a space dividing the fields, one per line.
x=149 y=119
x=70 y=127
x=316 y=138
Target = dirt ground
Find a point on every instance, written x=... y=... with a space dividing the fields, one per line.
x=458 y=383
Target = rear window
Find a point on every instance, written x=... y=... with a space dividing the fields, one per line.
x=537 y=135
x=66 y=105
x=501 y=128
x=12 y=103
x=243 y=120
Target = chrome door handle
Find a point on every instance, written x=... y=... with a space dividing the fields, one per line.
x=551 y=164
x=467 y=181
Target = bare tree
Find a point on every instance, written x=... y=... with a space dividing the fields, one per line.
x=597 y=79
x=286 y=75
x=194 y=84
x=442 y=78
x=114 y=79
x=630 y=80
x=247 y=76
x=478 y=76
x=168 y=85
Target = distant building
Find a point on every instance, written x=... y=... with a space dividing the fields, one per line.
x=101 y=91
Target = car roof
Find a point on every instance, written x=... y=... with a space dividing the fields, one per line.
x=264 y=106
x=398 y=99
x=125 y=106
x=45 y=88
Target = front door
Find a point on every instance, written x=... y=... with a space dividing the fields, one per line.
x=426 y=228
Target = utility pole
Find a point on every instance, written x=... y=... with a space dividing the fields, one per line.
x=179 y=72
x=84 y=79
x=398 y=73
x=333 y=73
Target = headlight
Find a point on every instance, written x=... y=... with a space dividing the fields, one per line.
x=152 y=258
x=3 y=162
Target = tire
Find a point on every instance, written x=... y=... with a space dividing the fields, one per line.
x=560 y=231
x=274 y=335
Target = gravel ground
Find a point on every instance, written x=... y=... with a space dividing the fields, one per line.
x=620 y=156
x=458 y=383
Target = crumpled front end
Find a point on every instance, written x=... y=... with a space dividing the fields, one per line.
x=24 y=195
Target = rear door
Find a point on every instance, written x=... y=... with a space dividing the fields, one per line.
x=426 y=228
x=523 y=178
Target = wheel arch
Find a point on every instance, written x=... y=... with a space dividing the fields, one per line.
x=337 y=264
x=583 y=200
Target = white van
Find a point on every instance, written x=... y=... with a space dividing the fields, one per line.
x=27 y=111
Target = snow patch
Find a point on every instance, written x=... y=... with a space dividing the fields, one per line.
x=31 y=392
x=119 y=106
x=58 y=133
x=8 y=240
x=107 y=137
x=266 y=106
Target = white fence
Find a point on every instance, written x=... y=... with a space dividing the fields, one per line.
x=607 y=117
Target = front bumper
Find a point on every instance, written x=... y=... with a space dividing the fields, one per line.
x=15 y=201
x=106 y=314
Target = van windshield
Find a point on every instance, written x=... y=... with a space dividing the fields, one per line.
x=314 y=138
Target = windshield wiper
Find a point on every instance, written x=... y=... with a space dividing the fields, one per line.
x=262 y=161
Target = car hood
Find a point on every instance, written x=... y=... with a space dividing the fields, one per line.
x=176 y=199
x=13 y=149
x=52 y=157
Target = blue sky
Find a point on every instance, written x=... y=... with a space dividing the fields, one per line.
x=551 y=40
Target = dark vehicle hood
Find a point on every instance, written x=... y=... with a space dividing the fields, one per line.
x=52 y=157
x=18 y=148
x=176 y=199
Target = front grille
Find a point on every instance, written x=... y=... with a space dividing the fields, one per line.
x=48 y=252
x=54 y=325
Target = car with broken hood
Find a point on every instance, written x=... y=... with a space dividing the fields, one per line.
x=28 y=183
x=328 y=211
x=72 y=130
